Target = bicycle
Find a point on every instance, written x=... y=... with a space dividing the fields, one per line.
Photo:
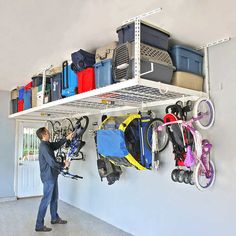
x=197 y=156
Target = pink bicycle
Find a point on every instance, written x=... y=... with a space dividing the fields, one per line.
x=198 y=155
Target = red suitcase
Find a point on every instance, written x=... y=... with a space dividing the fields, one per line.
x=20 y=106
x=28 y=86
x=86 y=80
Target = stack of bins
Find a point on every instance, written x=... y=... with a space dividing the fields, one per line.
x=14 y=99
x=188 y=63
x=20 y=101
x=28 y=96
x=85 y=70
x=153 y=54
x=103 y=66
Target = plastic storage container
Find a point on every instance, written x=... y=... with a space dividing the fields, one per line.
x=105 y=52
x=86 y=80
x=69 y=81
x=14 y=106
x=81 y=60
x=27 y=99
x=187 y=59
x=156 y=64
x=56 y=86
x=187 y=80
x=20 y=105
x=38 y=80
x=103 y=73
x=47 y=97
x=150 y=35
x=34 y=96
x=21 y=93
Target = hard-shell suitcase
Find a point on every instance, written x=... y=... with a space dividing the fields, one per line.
x=20 y=105
x=105 y=52
x=86 y=80
x=27 y=99
x=103 y=73
x=82 y=60
x=69 y=80
x=56 y=87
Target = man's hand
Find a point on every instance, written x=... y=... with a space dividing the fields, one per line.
x=67 y=164
x=70 y=136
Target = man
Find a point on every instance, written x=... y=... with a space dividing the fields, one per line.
x=49 y=171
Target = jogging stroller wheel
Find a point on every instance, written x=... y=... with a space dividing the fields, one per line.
x=186 y=177
x=191 y=177
x=180 y=176
x=174 y=174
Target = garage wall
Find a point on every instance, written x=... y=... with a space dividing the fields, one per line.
x=149 y=203
x=7 y=150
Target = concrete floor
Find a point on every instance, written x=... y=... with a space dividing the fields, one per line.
x=18 y=218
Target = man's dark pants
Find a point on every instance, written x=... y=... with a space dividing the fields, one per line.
x=50 y=196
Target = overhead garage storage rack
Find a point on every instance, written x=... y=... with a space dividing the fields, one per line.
x=136 y=93
x=126 y=95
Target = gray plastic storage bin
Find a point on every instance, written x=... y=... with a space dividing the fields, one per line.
x=187 y=59
x=150 y=35
x=123 y=63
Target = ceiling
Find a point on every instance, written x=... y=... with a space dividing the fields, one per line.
x=36 y=34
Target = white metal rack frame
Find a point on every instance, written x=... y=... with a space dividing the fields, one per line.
x=136 y=93
x=126 y=95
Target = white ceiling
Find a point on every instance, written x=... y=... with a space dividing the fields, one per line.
x=35 y=34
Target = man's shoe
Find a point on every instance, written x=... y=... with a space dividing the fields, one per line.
x=44 y=229
x=59 y=221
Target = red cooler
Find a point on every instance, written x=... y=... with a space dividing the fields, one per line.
x=86 y=80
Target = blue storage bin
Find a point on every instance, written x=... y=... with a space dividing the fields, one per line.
x=103 y=73
x=187 y=59
x=21 y=94
x=69 y=80
x=27 y=99
x=149 y=35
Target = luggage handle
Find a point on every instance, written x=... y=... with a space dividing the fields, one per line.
x=149 y=71
x=65 y=65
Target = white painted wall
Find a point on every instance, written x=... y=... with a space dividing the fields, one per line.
x=148 y=203
x=7 y=150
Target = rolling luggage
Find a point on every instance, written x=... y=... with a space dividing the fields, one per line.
x=82 y=60
x=69 y=80
x=20 y=105
x=105 y=52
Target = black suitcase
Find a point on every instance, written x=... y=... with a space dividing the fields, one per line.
x=56 y=87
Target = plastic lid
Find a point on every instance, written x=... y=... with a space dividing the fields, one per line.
x=186 y=48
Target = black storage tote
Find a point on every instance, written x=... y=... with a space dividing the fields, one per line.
x=56 y=86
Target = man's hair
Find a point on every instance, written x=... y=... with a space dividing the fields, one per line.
x=40 y=132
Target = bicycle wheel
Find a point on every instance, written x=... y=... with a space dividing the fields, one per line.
x=204 y=106
x=202 y=181
x=50 y=127
x=163 y=138
x=180 y=176
x=186 y=177
x=174 y=174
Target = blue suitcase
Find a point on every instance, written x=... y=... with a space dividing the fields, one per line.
x=69 y=80
x=103 y=73
x=56 y=87
x=27 y=99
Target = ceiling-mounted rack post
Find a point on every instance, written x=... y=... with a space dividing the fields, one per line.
x=137 y=38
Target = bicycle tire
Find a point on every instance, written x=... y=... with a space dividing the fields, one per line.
x=197 y=176
x=147 y=133
x=174 y=174
x=200 y=106
x=180 y=176
x=186 y=177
